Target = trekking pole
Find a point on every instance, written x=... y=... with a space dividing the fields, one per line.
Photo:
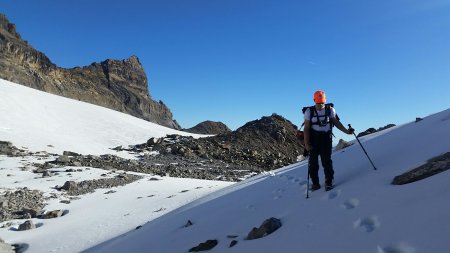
x=307 y=185
x=363 y=148
x=306 y=154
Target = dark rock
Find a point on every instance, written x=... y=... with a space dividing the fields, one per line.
x=27 y=225
x=418 y=119
x=373 y=130
x=7 y=148
x=21 y=203
x=70 y=153
x=209 y=244
x=342 y=144
x=52 y=214
x=31 y=213
x=267 y=227
x=209 y=127
x=120 y=85
x=69 y=186
x=234 y=242
x=188 y=224
x=432 y=167
x=153 y=141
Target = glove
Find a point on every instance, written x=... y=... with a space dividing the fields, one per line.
x=351 y=130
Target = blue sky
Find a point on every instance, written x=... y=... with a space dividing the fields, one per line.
x=234 y=61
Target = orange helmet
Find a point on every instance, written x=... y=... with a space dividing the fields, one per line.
x=320 y=97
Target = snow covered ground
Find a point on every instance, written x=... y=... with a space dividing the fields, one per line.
x=39 y=121
x=364 y=213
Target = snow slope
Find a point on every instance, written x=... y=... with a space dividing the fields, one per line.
x=364 y=213
x=42 y=121
x=34 y=120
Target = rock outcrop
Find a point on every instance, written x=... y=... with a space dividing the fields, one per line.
x=342 y=144
x=373 y=130
x=120 y=85
x=263 y=144
x=209 y=127
x=267 y=227
x=432 y=167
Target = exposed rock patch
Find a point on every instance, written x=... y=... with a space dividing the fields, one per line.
x=267 y=227
x=163 y=165
x=209 y=244
x=21 y=204
x=79 y=188
x=8 y=149
x=432 y=167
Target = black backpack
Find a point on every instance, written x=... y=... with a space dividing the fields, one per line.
x=313 y=113
x=300 y=134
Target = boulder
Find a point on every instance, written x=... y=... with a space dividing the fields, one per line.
x=432 y=167
x=69 y=186
x=209 y=244
x=52 y=214
x=342 y=144
x=267 y=227
x=27 y=225
x=70 y=153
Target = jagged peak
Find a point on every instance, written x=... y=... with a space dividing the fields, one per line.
x=7 y=26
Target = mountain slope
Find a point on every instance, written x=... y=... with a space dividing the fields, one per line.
x=364 y=213
x=120 y=85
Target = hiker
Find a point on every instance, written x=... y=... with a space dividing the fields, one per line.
x=319 y=121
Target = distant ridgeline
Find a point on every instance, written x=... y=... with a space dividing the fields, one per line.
x=120 y=85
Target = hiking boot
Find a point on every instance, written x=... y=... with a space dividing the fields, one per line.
x=315 y=187
x=328 y=185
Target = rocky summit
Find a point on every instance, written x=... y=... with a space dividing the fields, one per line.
x=209 y=127
x=120 y=85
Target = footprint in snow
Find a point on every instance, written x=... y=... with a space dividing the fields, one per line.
x=350 y=204
x=278 y=193
x=397 y=248
x=332 y=195
x=369 y=224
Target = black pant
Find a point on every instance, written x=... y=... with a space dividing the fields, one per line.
x=321 y=143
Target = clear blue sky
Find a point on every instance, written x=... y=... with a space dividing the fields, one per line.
x=234 y=61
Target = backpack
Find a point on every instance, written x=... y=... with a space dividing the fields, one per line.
x=300 y=134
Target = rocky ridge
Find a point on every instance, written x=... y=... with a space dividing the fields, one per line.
x=120 y=85
x=373 y=130
x=260 y=145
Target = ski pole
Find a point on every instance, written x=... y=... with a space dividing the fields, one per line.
x=363 y=148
